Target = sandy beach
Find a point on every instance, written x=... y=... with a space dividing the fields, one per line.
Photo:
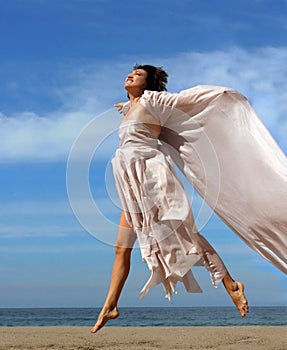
x=144 y=338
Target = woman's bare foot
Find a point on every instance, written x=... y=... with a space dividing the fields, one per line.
x=105 y=315
x=237 y=295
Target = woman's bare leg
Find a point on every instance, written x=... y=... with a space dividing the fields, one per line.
x=236 y=291
x=123 y=248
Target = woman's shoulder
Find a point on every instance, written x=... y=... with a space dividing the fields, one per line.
x=205 y=88
x=165 y=96
x=158 y=97
x=192 y=95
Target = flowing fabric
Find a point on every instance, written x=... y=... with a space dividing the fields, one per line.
x=158 y=209
x=218 y=142
x=215 y=137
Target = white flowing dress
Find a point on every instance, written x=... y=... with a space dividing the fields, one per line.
x=216 y=139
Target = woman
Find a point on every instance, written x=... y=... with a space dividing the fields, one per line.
x=156 y=208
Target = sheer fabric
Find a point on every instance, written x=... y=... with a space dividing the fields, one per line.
x=158 y=209
x=215 y=137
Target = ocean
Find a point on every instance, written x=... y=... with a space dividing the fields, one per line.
x=142 y=316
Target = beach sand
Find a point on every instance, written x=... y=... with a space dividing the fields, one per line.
x=144 y=338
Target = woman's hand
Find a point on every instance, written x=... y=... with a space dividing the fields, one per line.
x=120 y=106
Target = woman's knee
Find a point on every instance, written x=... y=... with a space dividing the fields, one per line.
x=121 y=251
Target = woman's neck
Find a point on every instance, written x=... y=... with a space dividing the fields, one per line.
x=134 y=99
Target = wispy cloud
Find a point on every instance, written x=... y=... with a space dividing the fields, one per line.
x=31 y=137
x=259 y=74
x=34 y=208
x=49 y=248
x=56 y=219
x=38 y=230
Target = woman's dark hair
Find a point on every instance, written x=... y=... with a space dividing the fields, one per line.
x=156 y=77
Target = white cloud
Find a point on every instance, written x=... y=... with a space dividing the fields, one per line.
x=56 y=220
x=37 y=219
x=42 y=230
x=35 y=208
x=259 y=74
x=51 y=248
x=32 y=137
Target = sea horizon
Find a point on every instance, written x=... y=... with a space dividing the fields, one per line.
x=145 y=316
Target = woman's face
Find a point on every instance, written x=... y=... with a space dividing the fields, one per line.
x=136 y=81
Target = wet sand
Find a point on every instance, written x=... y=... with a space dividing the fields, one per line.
x=144 y=338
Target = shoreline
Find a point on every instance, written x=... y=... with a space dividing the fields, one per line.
x=144 y=338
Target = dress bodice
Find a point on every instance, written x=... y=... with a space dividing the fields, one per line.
x=134 y=133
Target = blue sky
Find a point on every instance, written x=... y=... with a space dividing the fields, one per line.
x=62 y=63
